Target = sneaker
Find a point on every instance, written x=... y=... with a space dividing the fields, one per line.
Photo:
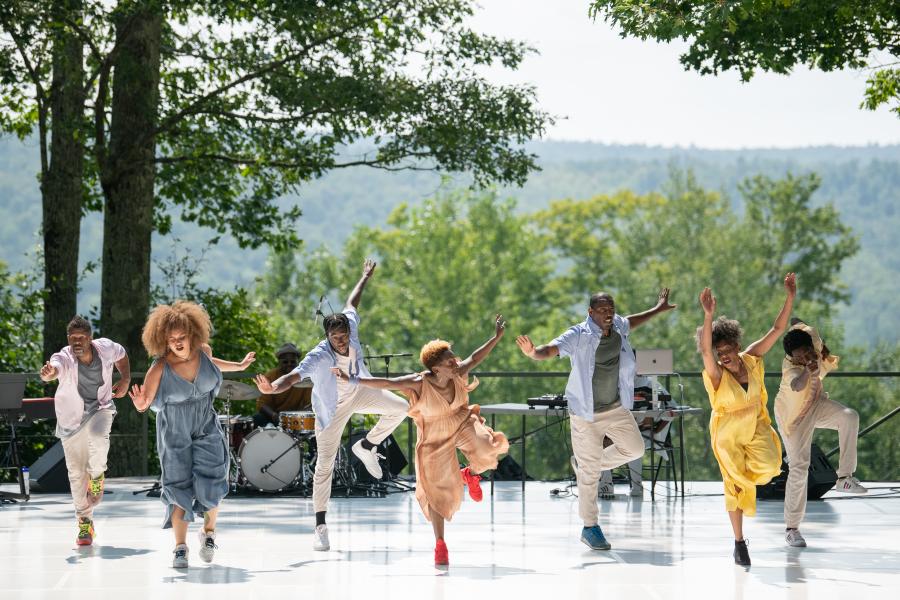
x=741 y=554
x=181 y=557
x=85 y=532
x=594 y=539
x=441 y=556
x=794 y=538
x=472 y=482
x=207 y=545
x=320 y=538
x=850 y=485
x=95 y=489
x=606 y=491
x=369 y=459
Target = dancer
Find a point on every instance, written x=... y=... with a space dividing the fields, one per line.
x=602 y=377
x=445 y=422
x=335 y=401
x=802 y=406
x=85 y=412
x=181 y=385
x=743 y=441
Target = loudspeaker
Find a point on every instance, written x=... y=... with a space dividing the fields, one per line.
x=48 y=474
x=393 y=462
x=508 y=470
x=822 y=478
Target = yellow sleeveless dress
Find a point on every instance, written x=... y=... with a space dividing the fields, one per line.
x=745 y=445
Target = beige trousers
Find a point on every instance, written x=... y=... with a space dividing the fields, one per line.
x=825 y=414
x=364 y=400
x=587 y=443
x=86 y=452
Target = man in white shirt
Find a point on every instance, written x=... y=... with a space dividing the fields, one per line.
x=602 y=375
x=85 y=411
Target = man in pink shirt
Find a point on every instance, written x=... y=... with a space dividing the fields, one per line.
x=85 y=411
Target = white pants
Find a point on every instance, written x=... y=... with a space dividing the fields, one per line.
x=635 y=467
x=364 y=400
x=587 y=443
x=86 y=452
x=825 y=414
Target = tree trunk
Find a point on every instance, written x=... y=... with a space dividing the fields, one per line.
x=61 y=188
x=128 y=175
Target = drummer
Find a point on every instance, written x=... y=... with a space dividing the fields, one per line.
x=294 y=398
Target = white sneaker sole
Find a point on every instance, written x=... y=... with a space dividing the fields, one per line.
x=367 y=458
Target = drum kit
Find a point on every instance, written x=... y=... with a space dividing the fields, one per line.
x=274 y=458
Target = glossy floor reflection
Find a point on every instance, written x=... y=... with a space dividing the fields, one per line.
x=504 y=547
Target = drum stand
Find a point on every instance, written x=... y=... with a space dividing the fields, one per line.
x=233 y=468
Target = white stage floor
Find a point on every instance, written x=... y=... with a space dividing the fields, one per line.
x=506 y=548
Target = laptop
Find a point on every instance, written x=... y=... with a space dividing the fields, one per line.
x=12 y=390
x=654 y=362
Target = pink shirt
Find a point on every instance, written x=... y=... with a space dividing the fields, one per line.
x=68 y=402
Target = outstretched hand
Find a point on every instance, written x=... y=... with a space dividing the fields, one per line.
x=499 y=325
x=662 y=302
x=139 y=397
x=248 y=360
x=525 y=345
x=369 y=268
x=263 y=384
x=48 y=372
x=708 y=301
x=790 y=284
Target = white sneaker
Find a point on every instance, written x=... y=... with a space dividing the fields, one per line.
x=369 y=459
x=207 y=546
x=606 y=491
x=850 y=485
x=181 y=557
x=794 y=538
x=320 y=538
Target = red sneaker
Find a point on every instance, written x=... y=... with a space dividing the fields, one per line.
x=441 y=556
x=85 y=532
x=471 y=480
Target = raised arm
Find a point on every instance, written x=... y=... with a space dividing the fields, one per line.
x=279 y=385
x=662 y=305
x=710 y=364
x=761 y=346
x=536 y=353
x=227 y=365
x=482 y=352
x=405 y=383
x=355 y=295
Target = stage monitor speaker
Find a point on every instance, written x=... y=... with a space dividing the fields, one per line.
x=48 y=474
x=393 y=462
x=822 y=478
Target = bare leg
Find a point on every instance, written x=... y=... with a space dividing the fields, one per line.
x=737 y=523
x=179 y=526
x=437 y=523
x=209 y=519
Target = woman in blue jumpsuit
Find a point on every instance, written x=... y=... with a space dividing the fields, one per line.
x=180 y=386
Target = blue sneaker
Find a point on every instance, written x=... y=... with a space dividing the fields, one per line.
x=593 y=538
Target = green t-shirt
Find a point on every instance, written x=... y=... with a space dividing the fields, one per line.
x=605 y=382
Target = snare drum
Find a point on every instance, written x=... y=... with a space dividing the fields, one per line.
x=241 y=426
x=270 y=459
x=296 y=421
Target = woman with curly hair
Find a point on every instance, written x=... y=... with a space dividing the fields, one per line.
x=180 y=387
x=445 y=422
x=745 y=445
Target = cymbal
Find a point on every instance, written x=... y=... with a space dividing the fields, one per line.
x=235 y=390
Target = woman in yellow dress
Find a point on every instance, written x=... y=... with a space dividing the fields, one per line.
x=445 y=422
x=745 y=445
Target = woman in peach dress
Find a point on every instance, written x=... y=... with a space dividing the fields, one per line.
x=445 y=422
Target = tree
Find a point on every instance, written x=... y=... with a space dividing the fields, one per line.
x=773 y=35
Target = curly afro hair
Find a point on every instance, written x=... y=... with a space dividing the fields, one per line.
x=189 y=317
x=723 y=330
x=432 y=351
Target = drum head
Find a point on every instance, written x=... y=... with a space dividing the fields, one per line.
x=270 y=459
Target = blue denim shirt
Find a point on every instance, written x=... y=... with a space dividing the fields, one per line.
x=579 y=343
x=317 y=364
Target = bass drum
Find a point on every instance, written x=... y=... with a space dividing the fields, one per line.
x=270 y=460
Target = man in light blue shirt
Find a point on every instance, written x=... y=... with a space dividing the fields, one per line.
x=335 y=401
x=600 y=382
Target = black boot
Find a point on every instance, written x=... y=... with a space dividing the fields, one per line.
x=741 y=554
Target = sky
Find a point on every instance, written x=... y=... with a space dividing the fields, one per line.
x=626 y=91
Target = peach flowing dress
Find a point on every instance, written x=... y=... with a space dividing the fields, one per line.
x=446 y=422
